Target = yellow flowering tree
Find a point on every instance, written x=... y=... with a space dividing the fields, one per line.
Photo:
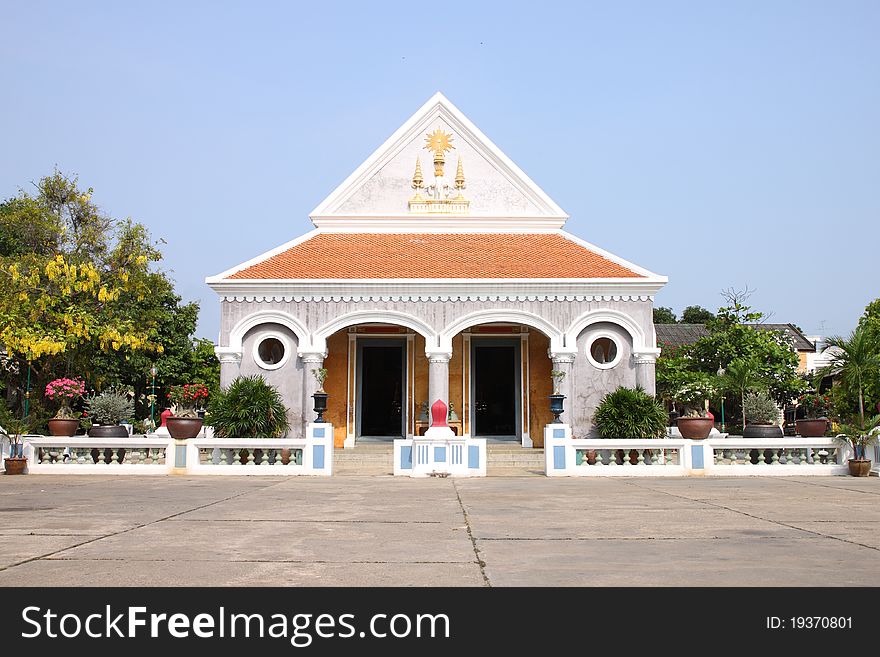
x=70 y=277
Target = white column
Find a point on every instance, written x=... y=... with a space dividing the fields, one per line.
x=438 y=376
x=563 y=362
x=230 y=364
x=311 y=361
x=645 y=362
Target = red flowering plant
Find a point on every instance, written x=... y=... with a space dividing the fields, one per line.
x=815 y=405
x=65 y=391
x=187 y=398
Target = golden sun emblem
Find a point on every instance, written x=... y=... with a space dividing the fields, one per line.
x=439 y=142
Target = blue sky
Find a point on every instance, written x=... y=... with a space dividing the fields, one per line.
x=719 y=143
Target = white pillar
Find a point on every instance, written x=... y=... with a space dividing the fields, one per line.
x=311 y=361
x=438 y=376
x=644 y=362
x=563 y=362
x=230 y=364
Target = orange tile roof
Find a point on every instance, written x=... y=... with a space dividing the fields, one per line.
x=435 y=255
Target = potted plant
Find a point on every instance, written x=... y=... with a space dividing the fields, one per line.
x=557 y=398
x=694 y=422
x=13 y=429
x=761 y=416
x=186 y=422
x=815 y=421
x=859 y=435
x=320 y=396
x=107 y=411
x=630 y=413
x=64 y=391
x=249 y=408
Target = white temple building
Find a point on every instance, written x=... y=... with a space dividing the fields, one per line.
x=439 y=270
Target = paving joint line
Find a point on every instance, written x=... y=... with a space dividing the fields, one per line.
x=750 y=515
x=130 y=529
x=467 y=522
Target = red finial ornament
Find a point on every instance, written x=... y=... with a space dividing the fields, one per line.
x=165 y=415
x=438 y=414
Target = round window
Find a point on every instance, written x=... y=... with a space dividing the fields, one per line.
x=603 y=352
x=271 y=353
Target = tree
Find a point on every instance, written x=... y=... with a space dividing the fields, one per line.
x=855 y=361
x=664 y=316
x=741 y=376
x=81 y=293
x=696 y=315
x=731 y=339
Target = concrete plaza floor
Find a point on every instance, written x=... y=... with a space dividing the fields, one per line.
x=385 y=531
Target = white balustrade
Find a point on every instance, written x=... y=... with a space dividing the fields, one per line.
x=717 y=456
x=312 y=455
x=778 y=457
x=142 y=455
x=154 y=454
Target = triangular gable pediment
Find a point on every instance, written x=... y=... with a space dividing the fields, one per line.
x=382 y=187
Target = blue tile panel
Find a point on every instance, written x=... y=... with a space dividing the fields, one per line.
x=473 y=456
x=180 y=456
x=439 y=455
x=697 y=456
x=318 y=433
x=318 y=456
x=406 y=457
x=559 y=433
x=559 y=457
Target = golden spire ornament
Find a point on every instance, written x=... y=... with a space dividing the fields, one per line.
x=418 y=182
x=439 y=142
x=459 y=178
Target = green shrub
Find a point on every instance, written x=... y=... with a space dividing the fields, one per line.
x=109 y=407
x=759 y=408
x=630 y=413
x=248 y=408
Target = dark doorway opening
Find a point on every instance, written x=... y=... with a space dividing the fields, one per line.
x=496 y=388
x=381 y=388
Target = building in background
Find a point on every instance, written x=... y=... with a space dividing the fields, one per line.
x=439 y=270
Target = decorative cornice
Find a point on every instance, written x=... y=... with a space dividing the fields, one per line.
x=648 y=357
x=227 y=355
x=438 y=356
x=424 y=298
x=562 y=357
x=313 y=356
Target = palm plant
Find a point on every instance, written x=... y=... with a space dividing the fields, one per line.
x=630 y=413
x=859 y=437
x=854 y=360
x=740 y=377
x=250 y=408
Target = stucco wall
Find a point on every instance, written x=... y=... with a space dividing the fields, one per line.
x=287 y=378
x=590 y=383
x=436 y=314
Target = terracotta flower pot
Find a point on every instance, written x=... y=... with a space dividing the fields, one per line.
x=15 y=466
x=812 y=428
x=695 y=428
x=182 y=428
x=63 y=427
x=857 y=467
